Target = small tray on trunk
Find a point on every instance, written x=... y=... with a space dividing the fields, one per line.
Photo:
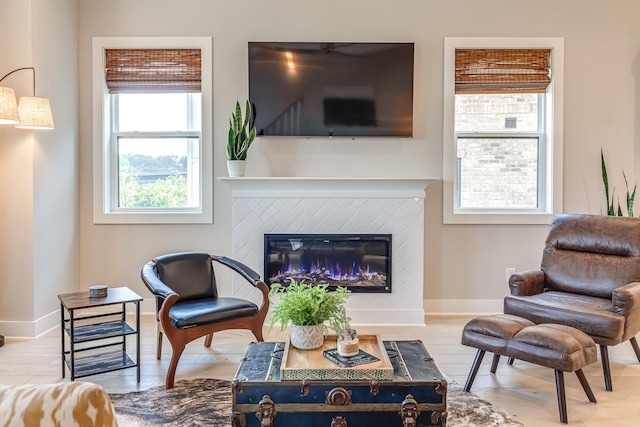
x=311 y=364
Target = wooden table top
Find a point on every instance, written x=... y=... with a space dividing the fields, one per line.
x=79 y=300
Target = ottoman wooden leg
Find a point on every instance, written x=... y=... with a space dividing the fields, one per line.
x=585 y=386
x=474 y=370
x=494 y=363
x=636 y=348
x=606 y=368
x=562 y=399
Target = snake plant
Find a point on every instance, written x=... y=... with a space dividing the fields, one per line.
x=240 y=138
x=611 y=210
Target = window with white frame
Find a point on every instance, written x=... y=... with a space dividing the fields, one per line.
x=502 y=142
x=152 y=156
x=156 y=143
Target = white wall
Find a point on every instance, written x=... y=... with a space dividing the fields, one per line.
x=464 y=265
x=16 y=173
x=55 y=158
x=39 y=225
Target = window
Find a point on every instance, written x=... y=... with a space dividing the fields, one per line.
x=156 y=140
x=502 y=130
x=497 y=157
x=152 y=154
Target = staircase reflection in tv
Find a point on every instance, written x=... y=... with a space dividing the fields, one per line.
x=361 y=263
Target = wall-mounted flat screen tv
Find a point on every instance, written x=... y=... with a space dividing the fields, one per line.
x=332 y=89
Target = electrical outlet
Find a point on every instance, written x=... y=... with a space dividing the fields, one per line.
x=510 y=271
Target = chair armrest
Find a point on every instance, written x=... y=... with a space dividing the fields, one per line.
x=246 y=272
x=626 y=299
x=153 y=283
x=253 y=278
x=529 y=282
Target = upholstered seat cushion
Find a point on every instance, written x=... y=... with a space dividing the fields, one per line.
x=186 y=314
x=492 y=333
x=589 y=314
x=554 y=346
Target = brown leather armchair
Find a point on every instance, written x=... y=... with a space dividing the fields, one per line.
x=589 y=279
x=184 y=285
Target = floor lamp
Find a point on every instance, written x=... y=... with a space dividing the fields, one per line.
x=31 y=112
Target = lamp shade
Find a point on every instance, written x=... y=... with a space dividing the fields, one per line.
x=35 y=113
x=8 y=107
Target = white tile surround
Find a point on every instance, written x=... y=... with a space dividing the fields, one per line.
x=339 y=205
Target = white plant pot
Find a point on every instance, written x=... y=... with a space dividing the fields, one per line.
x=236 y=167
x=307 y=337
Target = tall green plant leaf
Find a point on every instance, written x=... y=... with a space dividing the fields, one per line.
x=605 y=180
x=630 y=197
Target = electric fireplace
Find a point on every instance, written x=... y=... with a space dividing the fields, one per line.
x=359 y=262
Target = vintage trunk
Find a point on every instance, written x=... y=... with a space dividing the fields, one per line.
x=415 y=397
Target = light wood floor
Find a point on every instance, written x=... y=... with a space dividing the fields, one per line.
x=524 y=391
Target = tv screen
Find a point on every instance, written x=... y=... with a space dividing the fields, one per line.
x=331 y=89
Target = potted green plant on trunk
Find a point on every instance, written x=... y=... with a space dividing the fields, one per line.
x=307 y=307
x=239 y=140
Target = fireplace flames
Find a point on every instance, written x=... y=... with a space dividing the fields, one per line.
x=332 y=274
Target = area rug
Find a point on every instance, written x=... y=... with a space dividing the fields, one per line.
x=207 y=402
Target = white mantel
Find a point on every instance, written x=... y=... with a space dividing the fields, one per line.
x=339 y=205
x=356 y=187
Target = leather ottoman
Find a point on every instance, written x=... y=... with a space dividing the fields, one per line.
x=559 y=347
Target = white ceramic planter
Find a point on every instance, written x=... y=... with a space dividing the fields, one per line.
x=236 y=167
x=307 y=337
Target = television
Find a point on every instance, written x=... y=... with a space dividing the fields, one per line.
x=331 y=89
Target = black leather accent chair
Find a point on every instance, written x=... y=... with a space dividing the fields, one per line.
x=589 y=279
x=188 y=304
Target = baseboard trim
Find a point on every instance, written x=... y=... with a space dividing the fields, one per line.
x=462 y=306
x=30 y=329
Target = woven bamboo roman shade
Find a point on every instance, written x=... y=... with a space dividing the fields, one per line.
x=153 y=70
x=502 y=70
